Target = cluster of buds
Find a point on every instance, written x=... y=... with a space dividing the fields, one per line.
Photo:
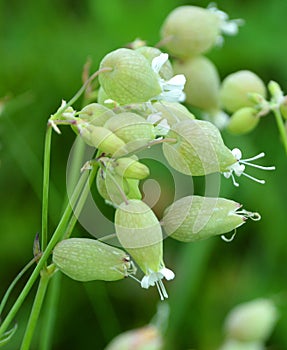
x=138 y=106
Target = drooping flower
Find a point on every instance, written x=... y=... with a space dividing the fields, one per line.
x=172 y=89
x=238 y=168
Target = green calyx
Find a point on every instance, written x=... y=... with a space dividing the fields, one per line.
x=139 y=232
x=202 y=82
x=131 y=168
x=190 y=31
x=236 y=87
x=130 y=79
x=195 y=218
x=84 y=259
x=198 y=149
x=243 y=121
x=95 y=114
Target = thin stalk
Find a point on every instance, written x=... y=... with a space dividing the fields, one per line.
x=12 y=285
x=50 y=312
x=46 y=182
x=35 y=312
x=80 y=203
x=58 y=234
x=281 y=127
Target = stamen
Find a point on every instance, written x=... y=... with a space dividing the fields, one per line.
x=159 y=290
x=254 y=178
x=260 y=155
x=163 y=290
x=228 y=240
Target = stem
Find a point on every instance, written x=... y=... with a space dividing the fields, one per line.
x=58 y=234
x=46 y=181
x=50 y=313
x=80 y=203
x=12 y=285
x=281 y=127
x=35 y=312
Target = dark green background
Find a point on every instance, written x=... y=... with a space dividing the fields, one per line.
x=43 y=47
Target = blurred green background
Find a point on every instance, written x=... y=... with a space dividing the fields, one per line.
x=43 y=47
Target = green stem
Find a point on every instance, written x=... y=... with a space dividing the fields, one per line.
x=46 y=181
x=48 y=325
x=12 y=285
x=281 y=127
x=81 y=202
x=58 y=234
x=35 y=312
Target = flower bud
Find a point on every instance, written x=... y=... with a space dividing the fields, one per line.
x=101 y=138
x=84 y=259
x=131 y=168
x=198 y=149
x=202 y=82
x=95 y=114
x=131 y=127
x=243 y=120
x=131 y=78
x=190 y=31
x=166 y=71
x=236 y=87
x=145 y=338
x=251 y=321
x=173 y=112
x=195 y=218
x=104 y=99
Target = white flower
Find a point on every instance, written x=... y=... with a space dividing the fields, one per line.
x=161 y=125
x=227 y=26
x=155 y=278
x=172 y=90
x=239 y=167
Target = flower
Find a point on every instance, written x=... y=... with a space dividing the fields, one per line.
x=172 y=88
x=155 y=278
x=238 y=167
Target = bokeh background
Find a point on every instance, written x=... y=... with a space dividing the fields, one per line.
x=43 y=47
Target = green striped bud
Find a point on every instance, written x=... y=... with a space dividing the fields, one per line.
x=198 y=148
x=101 y=138
x=251 y=321
x=84 y=260
x=131 y=168
x=131 y=78
x=149 y=52
x=236 y=87
x=190 y=31
x=95 y=114
x=202 y=82
x=195 y=218
x=131 y=127
x=243 y=121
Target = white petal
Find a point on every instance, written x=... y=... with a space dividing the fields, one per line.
x=158 y=62
x=178 y=82
x=154 y=118
x=237 y=153
x=167 y=273
x=145 y=282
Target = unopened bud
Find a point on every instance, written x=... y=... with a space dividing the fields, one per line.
x=84 y=259
x=95 y=114
x=251 y=321
x=131 y=78
x=145 y=338
x=243 y=120
x=131 y=127
x=131 y=168
x=101 y=138
x=236 y=87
